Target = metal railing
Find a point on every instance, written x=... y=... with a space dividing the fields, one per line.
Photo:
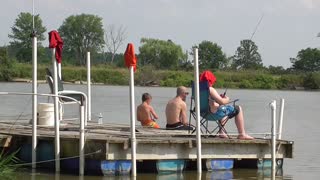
x=83 y=121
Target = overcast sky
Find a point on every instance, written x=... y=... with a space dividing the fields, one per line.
x=287 y=26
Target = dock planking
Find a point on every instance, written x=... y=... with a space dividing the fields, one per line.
x=113 y=142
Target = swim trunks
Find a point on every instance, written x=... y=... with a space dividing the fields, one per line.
x=224 y=111
x=150 y=123
x=178 y=126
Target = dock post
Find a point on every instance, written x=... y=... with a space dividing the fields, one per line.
x=197 y=106
x=56 y=112
x=88 y=88
x=273 y=137
x=133 y=125
x=81 y=143
x=34 y=100
x=280 y=118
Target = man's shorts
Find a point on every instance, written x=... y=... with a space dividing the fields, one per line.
x=178 y=126
x=223 y=111
x=150 y=123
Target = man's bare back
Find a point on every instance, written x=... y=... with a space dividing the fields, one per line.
x=143 y=112
x=176 y=111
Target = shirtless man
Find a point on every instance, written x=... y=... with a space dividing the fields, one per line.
x=176 y=111
x=220 y=109
x=145 y=112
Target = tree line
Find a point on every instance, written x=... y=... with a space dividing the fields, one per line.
x=85 y=32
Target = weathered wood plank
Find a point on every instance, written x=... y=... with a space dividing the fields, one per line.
x=5 y=140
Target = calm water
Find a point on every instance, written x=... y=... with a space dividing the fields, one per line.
x=301 y=123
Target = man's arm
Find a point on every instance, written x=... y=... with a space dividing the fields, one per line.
x=153 y=113
x=138 y=113
x=183 y=114
x=216 y=96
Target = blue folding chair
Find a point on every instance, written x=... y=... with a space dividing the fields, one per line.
x=205 y=112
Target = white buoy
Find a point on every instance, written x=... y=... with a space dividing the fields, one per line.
x=46 y=114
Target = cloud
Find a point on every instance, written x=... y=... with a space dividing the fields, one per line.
x=310 y=4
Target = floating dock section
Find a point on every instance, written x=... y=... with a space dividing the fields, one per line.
x=108 y=149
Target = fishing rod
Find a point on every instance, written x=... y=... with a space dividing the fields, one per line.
x=256 y=28
x=225 y=92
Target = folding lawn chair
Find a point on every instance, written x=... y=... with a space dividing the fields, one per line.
x=205 y=113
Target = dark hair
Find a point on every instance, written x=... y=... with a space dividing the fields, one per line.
x=145 y=96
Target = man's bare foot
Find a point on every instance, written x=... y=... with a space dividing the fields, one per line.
x=222 y=135
x=245 y=137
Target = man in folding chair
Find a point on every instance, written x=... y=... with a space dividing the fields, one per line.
x=220 y=109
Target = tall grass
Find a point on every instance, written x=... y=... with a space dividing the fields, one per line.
x=7 y=165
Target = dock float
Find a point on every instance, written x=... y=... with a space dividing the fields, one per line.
x=108 y=148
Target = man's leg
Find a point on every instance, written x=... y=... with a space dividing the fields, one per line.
x=221 y=133
x=240 y=125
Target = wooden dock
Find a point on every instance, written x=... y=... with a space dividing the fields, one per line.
x=112 y=142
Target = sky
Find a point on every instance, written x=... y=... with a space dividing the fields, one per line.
x=287 y=26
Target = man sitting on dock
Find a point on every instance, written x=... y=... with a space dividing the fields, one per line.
x=145 y=112
x=220 y=108
x=176 y=111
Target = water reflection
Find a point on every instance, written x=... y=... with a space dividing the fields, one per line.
x=219 y=174
x=126 y=177
x=208 y=175
x=267 y=173
x=170 y=176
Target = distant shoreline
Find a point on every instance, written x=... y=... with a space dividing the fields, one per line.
x=150 y=77
x=25 y=80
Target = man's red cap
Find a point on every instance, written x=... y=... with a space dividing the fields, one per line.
x=208 y=76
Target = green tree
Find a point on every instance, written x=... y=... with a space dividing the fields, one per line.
x=161 y=54
x=21 y=42
x=307 y=60
x=6 y=66
x=247 y=56
x=276 y=69
x=82 y=33
x=211 y=56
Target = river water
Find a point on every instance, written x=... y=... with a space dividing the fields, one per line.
x=301 y=121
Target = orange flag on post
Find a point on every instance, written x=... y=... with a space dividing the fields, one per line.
x=130 y=57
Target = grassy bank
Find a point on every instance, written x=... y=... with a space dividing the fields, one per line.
x=147 y=76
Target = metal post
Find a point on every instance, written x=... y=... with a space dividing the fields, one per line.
x=34 y=101
x=59 y=70
x=56 y=112
x=133 y=121
x=81 y=143
x=89 y=86
x=280 y=118
x=273 y=136
x=197 y=106
x=33 y=15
